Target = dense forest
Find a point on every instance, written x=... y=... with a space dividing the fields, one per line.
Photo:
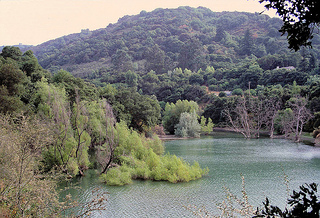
x=99 y=99
x=190 y=54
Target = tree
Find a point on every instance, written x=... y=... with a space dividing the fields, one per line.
x=247 y=44
x=131 y=79
x=52 y=105
x=190 y=55
x=9 y=103
x=105 y=152
x=11 y=87
x=196 y=79
x=11 y=52
x=122 y=61
x=12 y=78
x=149 y=83
x=215 y=110
x=86 y=90
x=25 y=191
x=188 y=125
x=155 y=59
x=301 y=114
x=173 y=111
x=271 y=100
x=245 y=116
x=80 y=125
x=135 y=109
x=300 y=19
x=206 y=125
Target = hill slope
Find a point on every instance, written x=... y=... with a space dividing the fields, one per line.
x=161 y=40
x=182 y=53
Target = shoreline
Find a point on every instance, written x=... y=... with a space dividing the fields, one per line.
x=171 y=137
x=303 y=139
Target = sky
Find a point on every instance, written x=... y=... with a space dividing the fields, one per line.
x=32 y=22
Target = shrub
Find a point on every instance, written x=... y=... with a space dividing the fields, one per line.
x=140 y=158
x=238 y=92
x=173 y=112
x=116 y=176
x=188 y=125
x=222 y=94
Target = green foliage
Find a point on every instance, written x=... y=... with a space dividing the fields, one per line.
x=116 y=177
x=12 y=78
x=304 y=203
x=188 y=125
x=11 y=52
x=69 y=148
x=238 y=92
x=9 y=103
x=75 y=86
x=141 y=158
x=300 y=18
x=133 y=108
x=173 y=111
x=206 y=125
x=163 y=54
x=246 y=44
x=18 y=73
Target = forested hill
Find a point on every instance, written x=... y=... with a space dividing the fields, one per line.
x=164 y=39
x=183 y=53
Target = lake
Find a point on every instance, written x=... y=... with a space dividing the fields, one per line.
x=264 y=164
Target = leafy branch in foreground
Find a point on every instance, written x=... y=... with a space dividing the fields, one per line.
x=302 y=204
x=70 y=207
x=305 y=203
x=300 y=20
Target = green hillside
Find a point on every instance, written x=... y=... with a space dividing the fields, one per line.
x=172 y=53
x=160 y=41
x=185 y=54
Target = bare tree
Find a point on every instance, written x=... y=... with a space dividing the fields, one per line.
x=286 y=121
x=246 y=116
x=301 y=115
x=25 y=191
x=271 y=108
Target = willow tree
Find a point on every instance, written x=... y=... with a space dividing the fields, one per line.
x=106 y=149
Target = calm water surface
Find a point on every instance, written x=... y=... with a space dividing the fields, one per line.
x=263 y=163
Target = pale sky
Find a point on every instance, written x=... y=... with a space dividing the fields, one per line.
x=33 y=22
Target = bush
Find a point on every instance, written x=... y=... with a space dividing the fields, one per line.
x=117 y=177
x=140 y=158
x=173 y=112
x=238 y=92
x=222 y=94
x=188 y=125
